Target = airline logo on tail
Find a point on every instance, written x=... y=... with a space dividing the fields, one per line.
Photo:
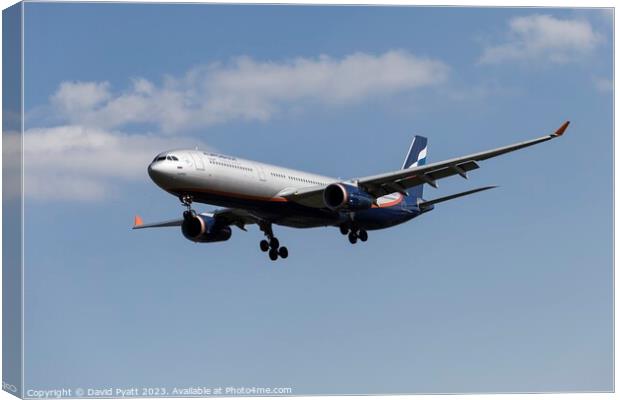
x=421 y=158
x=417 y=152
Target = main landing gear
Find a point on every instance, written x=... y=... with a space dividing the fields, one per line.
x=354 y=233
x=272 y=244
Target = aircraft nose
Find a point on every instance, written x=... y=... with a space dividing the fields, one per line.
x=156 y=172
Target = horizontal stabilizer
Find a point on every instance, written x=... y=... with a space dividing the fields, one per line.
x=427 y=203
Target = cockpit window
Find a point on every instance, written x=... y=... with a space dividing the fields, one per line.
x=165 y=157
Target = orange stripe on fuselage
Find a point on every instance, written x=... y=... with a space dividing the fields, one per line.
x=236 y=195
x=275 y=199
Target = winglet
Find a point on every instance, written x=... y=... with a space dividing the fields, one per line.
x=561 y=129
x=137 y=221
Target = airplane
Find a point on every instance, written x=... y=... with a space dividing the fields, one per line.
x=264 y=194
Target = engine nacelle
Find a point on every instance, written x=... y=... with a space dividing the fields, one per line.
x=203 y=229
x=338 y=196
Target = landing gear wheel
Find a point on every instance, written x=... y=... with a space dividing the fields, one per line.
x=344 y=229
x=283 y=252
x=363 y=235
x=352 y=237
x=186 y=200
x=271 y=243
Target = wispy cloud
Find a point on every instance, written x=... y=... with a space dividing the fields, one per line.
x=76 y=98
x=245 y=89
x=87 y=151
x=543 y=38
x=80 y=163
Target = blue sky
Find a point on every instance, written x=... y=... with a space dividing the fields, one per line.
x=508 y=290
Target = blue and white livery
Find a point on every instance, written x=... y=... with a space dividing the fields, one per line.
x=257 y=193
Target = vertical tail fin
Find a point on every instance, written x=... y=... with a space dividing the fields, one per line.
x=417 y=152
x=415 y=158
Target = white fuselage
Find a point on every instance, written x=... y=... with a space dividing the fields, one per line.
x=227 y=176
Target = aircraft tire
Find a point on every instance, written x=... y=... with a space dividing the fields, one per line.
x=273 y=254
x=283 y=252
x=274 y=243
x=352 y=238
x=264 y=245
x=344 y=229
x=363 y=235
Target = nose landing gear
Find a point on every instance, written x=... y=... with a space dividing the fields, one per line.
x=272 y=244
x=354 y=233
x=186 y=201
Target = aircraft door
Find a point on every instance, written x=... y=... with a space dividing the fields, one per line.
x=198 y=161
x=261 y=173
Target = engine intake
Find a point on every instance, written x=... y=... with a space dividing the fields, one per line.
x=203 y=229
x=338 y=196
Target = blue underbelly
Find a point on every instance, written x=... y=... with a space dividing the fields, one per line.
x=296 y=215
x=379 y=218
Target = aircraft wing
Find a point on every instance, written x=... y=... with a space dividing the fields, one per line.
x=225 y=216
x=382 y=184
x=311 y=196
x=237 y=217
x=428 y=203
x=139 y=224
x=399 y=181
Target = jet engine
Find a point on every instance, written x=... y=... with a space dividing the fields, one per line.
x=339 y=196
x=203 y=228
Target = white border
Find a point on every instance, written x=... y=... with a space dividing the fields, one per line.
x=479 y=3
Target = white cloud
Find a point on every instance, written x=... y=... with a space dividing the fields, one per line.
x=90 y=154
x=11 y=164
x=82 y=163
x=246 y=89
x=543 y=38
x=77 y=97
